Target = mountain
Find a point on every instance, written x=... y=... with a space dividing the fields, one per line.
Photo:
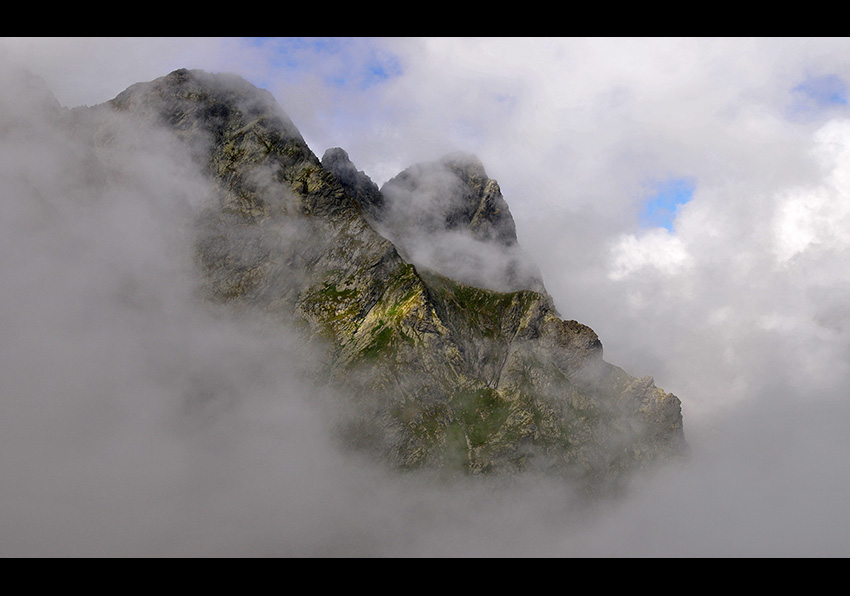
x=432 y=321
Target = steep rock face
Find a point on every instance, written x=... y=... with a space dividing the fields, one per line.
x=283 y=226
x=441 y=372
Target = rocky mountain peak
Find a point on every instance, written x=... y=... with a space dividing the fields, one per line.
x=431 y=321
x=452 y=193
x=450 y=216
x=220 y=97
x=356 y=182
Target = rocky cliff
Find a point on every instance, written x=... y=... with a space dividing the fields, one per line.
x=431 y=318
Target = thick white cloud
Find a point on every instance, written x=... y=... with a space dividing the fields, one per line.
x=657 y=248
x=742 y=311
x=818 y=217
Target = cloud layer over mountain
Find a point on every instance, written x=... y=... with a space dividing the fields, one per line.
x=740 y=308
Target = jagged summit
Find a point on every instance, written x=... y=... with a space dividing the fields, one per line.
x=451 y=194
x=449 y=216
x=356 y=182
x=222 y=96
x=448 y=347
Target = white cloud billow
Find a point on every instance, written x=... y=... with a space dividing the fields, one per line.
x=819 y=217
x=656 y=249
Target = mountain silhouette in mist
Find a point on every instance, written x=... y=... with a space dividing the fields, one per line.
x=434 y=325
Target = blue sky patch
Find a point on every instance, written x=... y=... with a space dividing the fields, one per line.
x=381 y=68
x=342 y=62
x=666 y=197
x=817 y=94
x=824 y=90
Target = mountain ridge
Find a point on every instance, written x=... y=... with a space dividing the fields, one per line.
x=440 y=332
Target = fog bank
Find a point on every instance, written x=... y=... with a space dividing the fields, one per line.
x=136 y=421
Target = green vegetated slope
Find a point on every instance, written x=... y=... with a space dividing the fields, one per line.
x=440 y=373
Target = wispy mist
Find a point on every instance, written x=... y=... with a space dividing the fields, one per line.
x=134 y=421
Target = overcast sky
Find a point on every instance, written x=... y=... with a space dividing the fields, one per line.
x=688 y=199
